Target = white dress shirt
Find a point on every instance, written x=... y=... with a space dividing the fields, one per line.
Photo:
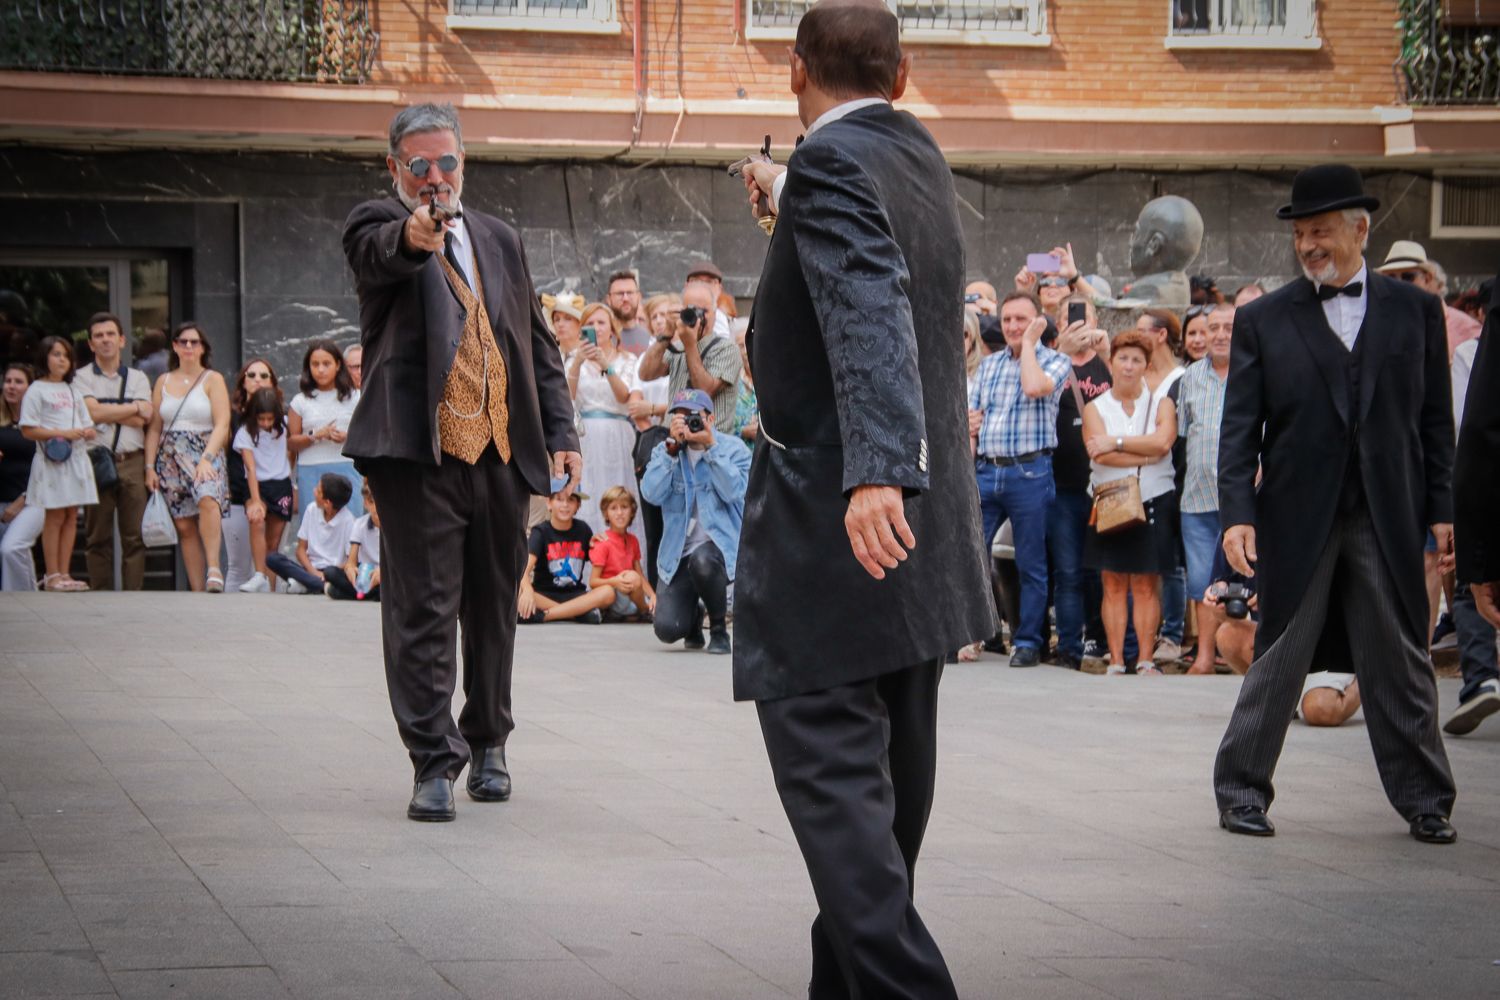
x=831 y=115
x=463 y=249
x=1346 y=313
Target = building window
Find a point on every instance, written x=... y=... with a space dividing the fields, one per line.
x=974 y=22
x=1466 y=207
x=1243 y=24
x=594 y=17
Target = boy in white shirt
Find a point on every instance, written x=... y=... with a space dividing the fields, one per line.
x=364 y=549
x=322 y=540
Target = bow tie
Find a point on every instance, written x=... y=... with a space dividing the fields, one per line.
x=1326 y=292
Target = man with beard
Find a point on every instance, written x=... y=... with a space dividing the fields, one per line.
x=623 y=296
x=1339 y=397
x=465 y=414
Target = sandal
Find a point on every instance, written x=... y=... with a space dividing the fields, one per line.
x=1115 y=670
x=215 y=582
x=1147 y=668
x=47 y=581
x=69 y=585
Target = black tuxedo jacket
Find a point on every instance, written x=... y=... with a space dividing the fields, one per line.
x=1287 y=411
x=410 y=321
x=1476 y=479
x=855 y=341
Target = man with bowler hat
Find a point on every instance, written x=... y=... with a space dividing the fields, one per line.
x=465 y=414
x=1339 y=393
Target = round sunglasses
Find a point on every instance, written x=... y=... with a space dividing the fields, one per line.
x=419 y=165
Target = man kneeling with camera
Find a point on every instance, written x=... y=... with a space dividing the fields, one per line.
x=1329 y=697
x=698 y=480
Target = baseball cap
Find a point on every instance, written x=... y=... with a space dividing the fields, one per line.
x=692 y=399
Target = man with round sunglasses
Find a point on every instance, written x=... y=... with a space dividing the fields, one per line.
x=464 y=415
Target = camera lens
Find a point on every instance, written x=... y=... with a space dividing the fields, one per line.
x=692 y=315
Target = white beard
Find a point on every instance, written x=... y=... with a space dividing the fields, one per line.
x=1323 y=276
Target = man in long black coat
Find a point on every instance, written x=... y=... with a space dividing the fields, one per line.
x=464 y=415
x=861 y=563
x=1476 y=478
x=1339 y=399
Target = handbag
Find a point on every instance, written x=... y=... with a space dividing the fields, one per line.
x=59 y=450
x=106 y=475
x=1117 y=503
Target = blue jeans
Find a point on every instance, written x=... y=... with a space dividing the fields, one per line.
x=1067 y=526
x=1022 y=493
x=1200 y=544
x=1476 y=642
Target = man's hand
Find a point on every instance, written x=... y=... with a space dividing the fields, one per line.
x=570 y=464
x=679 y=431
x=876 y=523
x=1444 y=535
x=976 y=421
x=1487 y=600
x=687 y=336
x=1239 y=549
x=422 y=233
x=760 y=180
x=1032 y=335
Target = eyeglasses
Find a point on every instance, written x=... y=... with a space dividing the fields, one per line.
x=1053 y=282
x=188 y=342
x=419 y=165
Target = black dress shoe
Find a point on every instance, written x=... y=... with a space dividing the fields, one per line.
x=1431 y=828
x=432 y=801
x=1025 y=656
x=489 y=781
x=1252 y=821
x=718 y=641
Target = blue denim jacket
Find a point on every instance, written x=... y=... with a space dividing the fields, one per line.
x=719 y=481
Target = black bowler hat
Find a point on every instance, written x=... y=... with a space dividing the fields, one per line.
x=1326 y=188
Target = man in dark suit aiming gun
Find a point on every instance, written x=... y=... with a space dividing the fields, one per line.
x=464 y=415
x=861 y=563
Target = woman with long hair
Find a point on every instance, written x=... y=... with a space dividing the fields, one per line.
x=1163 y=379
x=256 y=374
x=185 y=444
x=602 y=381
x=1195 y=333
x=1126 y=436
x=54 y=415
x=319 y=422
x=20 y=522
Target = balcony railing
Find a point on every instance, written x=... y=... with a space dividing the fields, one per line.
x=313 y=41
x=1450 y=52
x=1002 y=21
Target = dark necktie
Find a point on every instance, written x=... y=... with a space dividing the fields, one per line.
x=1326 y=292
x=453 y=259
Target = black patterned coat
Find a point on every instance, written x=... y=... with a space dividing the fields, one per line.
x=856 y=345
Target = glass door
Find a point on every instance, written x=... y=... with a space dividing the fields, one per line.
x=47 y=294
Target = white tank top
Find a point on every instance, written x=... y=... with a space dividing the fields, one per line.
x=1156 y=478
x=194 y=412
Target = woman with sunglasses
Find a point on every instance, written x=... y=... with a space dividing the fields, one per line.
x=257 y=374
x=185 y=444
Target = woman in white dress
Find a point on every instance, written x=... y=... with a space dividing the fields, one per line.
x=54 y=415
x=185 y=444
x=319 y=422
x=602 y=381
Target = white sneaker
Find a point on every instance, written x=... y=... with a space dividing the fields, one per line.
x=257 y=584
x=293 y=587
x=1467 y=717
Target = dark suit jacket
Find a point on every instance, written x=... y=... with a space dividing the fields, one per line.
x=855 y=341
x=410 y=321
x=1476 y=478
x=1287 y=410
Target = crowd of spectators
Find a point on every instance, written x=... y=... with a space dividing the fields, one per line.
x=1063 y=405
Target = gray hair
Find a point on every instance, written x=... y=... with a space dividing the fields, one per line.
x=425 y=118
x=1351 y=216
x=1438 y=275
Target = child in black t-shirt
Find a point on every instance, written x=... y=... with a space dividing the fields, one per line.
x=555 y=586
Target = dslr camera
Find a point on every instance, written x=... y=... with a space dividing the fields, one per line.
x=694 y=422
x=1236 y=600
x=692 y=316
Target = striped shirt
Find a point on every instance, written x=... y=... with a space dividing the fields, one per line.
x=1013 y=423
x=1199 y=411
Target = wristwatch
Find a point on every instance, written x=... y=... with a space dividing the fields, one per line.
x=1119 y=444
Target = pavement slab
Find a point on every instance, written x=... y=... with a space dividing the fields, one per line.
x=204 y=795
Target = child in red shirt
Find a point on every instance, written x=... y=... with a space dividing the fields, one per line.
x=616 y=559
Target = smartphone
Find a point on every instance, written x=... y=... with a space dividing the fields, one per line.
x=1043 y=263
x=591 y=336
x=1078 y=312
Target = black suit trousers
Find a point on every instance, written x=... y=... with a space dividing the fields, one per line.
x=452 y=547
x=855 y=766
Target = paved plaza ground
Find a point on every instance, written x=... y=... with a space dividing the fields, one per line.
x=203 y=796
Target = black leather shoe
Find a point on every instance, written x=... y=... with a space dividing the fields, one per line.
x=718 y=641
x=1252 y=821
x=1025 y=656
x=432 y=801
x=1431 y=828
x=489 y=781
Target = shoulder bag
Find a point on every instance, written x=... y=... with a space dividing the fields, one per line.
x=1117 y=503
x=106 y=475
x=59 y=450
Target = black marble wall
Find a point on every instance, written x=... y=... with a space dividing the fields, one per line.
x=260 y=232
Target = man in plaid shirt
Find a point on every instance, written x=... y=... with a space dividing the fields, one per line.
x=1013 y=417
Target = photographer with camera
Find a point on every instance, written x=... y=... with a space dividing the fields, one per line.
x=695 y=356
x=698 y=480
x=1329 y=697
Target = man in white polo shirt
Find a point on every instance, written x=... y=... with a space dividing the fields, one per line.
x=119 y=401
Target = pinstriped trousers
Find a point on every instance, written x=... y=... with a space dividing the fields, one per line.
x=1397 y=686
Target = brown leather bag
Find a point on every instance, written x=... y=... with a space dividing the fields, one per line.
x=1118 y=505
